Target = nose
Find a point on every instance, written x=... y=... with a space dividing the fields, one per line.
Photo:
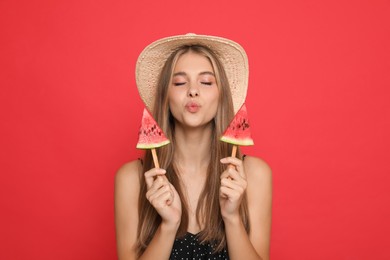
x=193 y=91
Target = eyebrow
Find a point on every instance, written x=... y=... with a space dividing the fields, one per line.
x=182 y=73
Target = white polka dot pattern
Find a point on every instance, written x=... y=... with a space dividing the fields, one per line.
x=189 y=248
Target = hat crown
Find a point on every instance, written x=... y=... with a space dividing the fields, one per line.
x=154 y=56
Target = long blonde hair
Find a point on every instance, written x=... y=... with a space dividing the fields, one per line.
x=208 y=209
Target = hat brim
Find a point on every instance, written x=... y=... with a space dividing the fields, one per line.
x=153 y=57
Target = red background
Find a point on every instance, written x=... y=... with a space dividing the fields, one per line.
x=318 y=101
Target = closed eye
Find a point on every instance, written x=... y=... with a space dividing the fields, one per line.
x=207 y=83
x=179 y=83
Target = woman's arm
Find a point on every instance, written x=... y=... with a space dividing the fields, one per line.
x=126 y=209
x=253 y=177
x=126 y=214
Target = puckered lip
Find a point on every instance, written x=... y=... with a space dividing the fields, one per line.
x=192 y=106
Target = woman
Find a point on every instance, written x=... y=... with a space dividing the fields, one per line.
x=202 y=203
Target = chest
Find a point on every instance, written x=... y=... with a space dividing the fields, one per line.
x=192 y=189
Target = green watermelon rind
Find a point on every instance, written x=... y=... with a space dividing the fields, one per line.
x=157 y=145
x=235 y=141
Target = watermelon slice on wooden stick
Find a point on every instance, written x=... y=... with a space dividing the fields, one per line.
x=150 y=136
x=238 y=132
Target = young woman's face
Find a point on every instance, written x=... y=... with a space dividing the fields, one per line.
x=193 y=92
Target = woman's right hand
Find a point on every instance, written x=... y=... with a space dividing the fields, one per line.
x=163 y=197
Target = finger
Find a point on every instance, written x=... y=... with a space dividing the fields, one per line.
x=224 y=175
x=160 y=193
x=158 y=183
x=237 y=163
x=231 y=173
x=164 y=199
x=174 y=193
x=228 y=193
x=232 y=160
x=164 y=189
x=151 y=174
x=167 y=197
x=222 y=194
x=234 y=185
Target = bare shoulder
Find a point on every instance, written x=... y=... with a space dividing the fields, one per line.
x=257 y=170
x=129 y=170
x=259 y=194
x=127 y=188
x=259 y=190
x=129 y=174
x=127 y=181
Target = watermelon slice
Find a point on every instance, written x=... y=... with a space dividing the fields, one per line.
x=238 y=132
x=150 y=134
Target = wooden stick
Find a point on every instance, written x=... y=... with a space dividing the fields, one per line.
x=155 y=159
x=234 y=151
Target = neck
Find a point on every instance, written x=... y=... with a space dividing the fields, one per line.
x=193 y=147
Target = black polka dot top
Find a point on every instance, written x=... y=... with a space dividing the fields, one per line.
x=189 y=248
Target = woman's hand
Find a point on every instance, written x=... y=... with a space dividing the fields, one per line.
x=233 y=187
x=163 y=197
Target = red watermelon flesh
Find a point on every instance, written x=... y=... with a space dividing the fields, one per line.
x=150 y=134
x=238 y=132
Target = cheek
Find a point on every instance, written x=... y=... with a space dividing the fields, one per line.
x=214 y=100
x=172 y=97
x=174 y=102
x=216 y=95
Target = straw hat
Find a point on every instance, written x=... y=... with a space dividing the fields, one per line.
x=153 y=57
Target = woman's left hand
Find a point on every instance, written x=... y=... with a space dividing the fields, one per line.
x=233 y=187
